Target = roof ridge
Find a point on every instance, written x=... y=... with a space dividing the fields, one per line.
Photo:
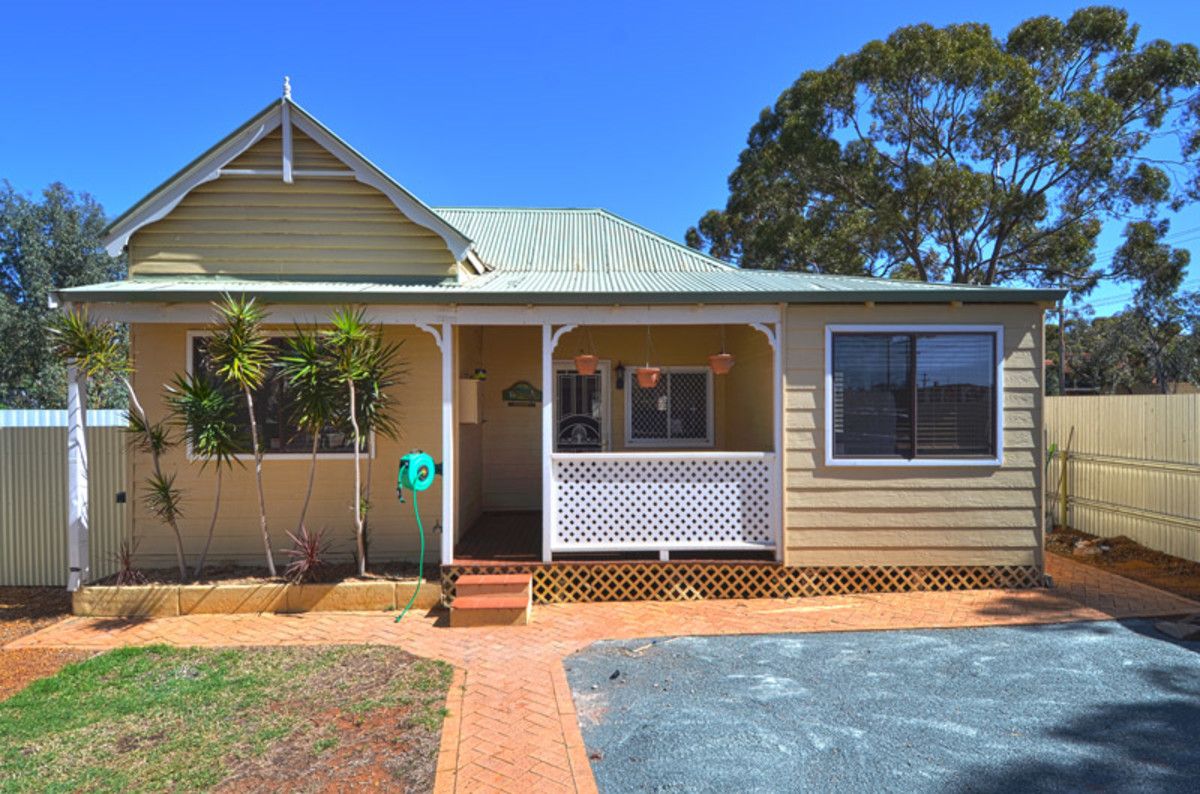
x=722 y=265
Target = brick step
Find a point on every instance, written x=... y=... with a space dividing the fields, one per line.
x=490 y=610
x=517 y=584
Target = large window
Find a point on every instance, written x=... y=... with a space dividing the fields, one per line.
x=924 y=395
x=274 y=411
x=675 y=413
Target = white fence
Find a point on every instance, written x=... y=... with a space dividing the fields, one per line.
x=33 y=495
x=1132 y=468
x=663 y=501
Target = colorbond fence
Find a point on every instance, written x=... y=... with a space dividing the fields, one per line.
x=1132 y=468
x=33 y=494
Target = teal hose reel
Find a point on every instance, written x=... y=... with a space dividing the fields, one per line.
x=416 y=473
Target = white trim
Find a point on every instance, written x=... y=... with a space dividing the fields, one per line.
x=78 y=529
x=286 y=150
x=368 y=174
x=664 y=547
x=206 y=170
x=671 y=455
x=996 y=330
x=548 y=497
x=289 y=115
x=318 y=173
x=401 y=313
x=249 y=456
x=606 y=389
x=445 y=342
x=709 y=439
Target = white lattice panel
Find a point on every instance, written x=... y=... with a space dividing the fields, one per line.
x=672 y=501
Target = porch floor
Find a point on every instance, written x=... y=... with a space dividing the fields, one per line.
x=515 y=538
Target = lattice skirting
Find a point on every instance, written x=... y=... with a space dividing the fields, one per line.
x=557 y=583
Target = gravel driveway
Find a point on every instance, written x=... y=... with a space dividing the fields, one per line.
x=1097 y=706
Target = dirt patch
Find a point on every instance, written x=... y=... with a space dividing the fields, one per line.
x=314 y=718
x=1126 y=557
x=249 y=574
x=24 y=610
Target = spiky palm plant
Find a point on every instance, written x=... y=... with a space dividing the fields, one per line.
x=206 y=411
x=242 y=353
x=377 y=408
x=95 y=350
x=316 y=397
x=352 y=343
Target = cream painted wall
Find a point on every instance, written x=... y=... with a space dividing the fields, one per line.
x=511 y=459
x=260 y=225
x=469 y=457
x=889 y=515
x=160 y=350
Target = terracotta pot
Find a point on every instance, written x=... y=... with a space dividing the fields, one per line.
x=586 y=363
x=721 y=363
x=647 y=377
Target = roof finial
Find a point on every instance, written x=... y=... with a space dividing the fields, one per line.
x=287 y=87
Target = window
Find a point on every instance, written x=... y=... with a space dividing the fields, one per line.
x=273 y=410
x=918 y=395
x=675 y=413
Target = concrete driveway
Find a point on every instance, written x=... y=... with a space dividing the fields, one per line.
x=1103 y=706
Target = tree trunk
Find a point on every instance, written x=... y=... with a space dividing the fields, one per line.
x=136 y=404
x=312 y=476
x=212 y=525
x=367 y=493
x=358 y=516
x=262 y=500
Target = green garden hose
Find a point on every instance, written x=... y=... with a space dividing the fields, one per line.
x=416 y=473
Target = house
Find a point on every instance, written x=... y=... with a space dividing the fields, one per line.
x=871 y=434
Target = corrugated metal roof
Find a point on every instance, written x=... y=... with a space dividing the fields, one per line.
x=559 y=288
x=572 y=241
x=567 y=256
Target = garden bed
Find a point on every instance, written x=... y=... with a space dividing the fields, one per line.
x=243 y=595
x=1128 y=558
x=251 y=719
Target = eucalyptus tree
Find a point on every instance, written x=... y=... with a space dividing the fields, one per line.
x=97 y=350
x=242 y=353
x=207 y=413
x=364 y=365
x=316 y=397
x=951 y=155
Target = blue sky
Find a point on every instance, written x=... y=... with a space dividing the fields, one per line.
x=639 y=107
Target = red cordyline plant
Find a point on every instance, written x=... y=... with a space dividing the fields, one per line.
x=307 y=555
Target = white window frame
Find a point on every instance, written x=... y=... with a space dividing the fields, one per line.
x=604 y=366
x=677 y=443
x=294 y=456
x=996 y=330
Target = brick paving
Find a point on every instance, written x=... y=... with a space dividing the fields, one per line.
x=512 y=723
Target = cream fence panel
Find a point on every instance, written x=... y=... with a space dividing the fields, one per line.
x=33 y=495
x=1133 y=468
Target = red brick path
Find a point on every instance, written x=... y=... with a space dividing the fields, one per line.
x=512 y=724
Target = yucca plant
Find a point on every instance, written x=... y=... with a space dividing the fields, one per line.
x=242 y=353
x=377 y=409
x=316 y=396
x=361 y=364
x=95 y=350
x=206 y=411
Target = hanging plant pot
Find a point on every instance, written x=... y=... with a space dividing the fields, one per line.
x=647 y=377
x=721 y=363
x=586 y=363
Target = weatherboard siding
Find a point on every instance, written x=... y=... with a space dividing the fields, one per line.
x=159 y=352
x=260 y=225
x=890 y=515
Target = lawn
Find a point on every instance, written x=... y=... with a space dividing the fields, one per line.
x=159 y=718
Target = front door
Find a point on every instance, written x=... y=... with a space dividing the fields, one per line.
x=580 y=409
